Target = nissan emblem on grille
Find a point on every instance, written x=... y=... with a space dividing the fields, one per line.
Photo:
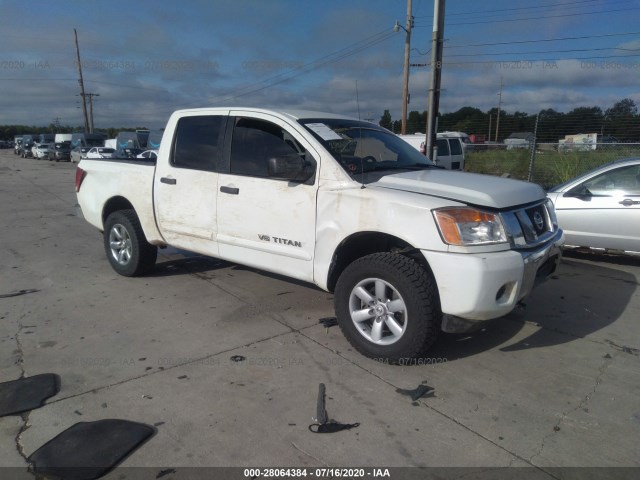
x=539 y=221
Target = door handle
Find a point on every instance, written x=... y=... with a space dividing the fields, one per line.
x=627 y=202
x=231 y=190
x=168 y=181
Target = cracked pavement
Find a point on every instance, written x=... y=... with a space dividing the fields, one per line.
x=553 y=385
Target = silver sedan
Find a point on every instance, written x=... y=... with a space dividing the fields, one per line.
x=601 y=209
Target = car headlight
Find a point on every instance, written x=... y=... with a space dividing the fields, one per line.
x=469 y=226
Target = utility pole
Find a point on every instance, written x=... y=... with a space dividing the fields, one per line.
x=533 y=149
x=437 y=41
x=499 y=107
x=81 y=81
x=91 y=95
x=357 y=100
x=405 y=85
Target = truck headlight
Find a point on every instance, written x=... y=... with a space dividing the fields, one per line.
x=551 y=210
x=469 y=226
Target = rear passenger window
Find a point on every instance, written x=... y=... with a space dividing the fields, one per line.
x=443 y=147
x=456 y=146
x=198 y=142
x=254 y=142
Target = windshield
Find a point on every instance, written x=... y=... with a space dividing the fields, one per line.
x=362 y=147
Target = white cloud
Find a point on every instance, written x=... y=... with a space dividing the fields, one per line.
x=152 y=60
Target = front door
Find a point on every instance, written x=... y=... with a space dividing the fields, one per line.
x=262 y=221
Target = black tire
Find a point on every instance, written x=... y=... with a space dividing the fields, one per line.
x=409 y=301
x=130 y=254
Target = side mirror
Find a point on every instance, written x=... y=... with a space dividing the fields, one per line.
x=292 y=167
x=579 y=191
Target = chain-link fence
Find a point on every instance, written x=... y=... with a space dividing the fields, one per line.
x=549 y=147
x=547 y=164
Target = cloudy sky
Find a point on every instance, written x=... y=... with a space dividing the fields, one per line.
x=147 y=58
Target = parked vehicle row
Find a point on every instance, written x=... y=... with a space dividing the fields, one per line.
x=60 y=151
x=47 y=151
x=121 y=153
x=73 y=147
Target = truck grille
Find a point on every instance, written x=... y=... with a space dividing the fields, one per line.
x=531 y=225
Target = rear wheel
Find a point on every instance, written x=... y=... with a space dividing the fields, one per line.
x=126 y=247
x=387 y=306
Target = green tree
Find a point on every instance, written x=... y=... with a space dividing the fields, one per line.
x=583 y=120
x=550 y=126
x=624 y=108
x=417 y=122
x=622 y=121
x=385 y=120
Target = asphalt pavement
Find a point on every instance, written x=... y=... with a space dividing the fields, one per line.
x=225 y=361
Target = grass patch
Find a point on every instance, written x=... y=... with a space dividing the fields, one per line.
x=549 y=167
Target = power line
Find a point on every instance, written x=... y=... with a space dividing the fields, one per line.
x=45 y=79
x=543 y=40
x=537 y=18
x=520 y=61
x=542 y=52
x=512 y=9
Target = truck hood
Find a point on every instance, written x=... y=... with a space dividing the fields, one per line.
x=470 y=188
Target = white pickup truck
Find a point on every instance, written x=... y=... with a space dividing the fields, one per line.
x=408 y=249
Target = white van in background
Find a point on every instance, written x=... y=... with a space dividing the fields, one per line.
x=63 y=137
x=450 y=153
x=464 y=138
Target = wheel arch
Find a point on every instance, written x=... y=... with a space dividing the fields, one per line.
x=113 y=205
x=361 y=244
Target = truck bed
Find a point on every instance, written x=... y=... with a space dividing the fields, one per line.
x=108 y=181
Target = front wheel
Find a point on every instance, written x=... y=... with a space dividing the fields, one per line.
x=126 y=247
x=387 y=306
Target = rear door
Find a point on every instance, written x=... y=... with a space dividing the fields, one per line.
x=266 y=222
x=456 y=150
x=450 y=153
x=185 y=186
x=444 y=155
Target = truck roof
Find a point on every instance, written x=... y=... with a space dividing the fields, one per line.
x=290 y=113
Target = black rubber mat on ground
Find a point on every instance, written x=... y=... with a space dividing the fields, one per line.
x=89 y=450
x=27 y=393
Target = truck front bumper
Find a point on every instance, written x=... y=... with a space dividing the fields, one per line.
x=478 y=287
